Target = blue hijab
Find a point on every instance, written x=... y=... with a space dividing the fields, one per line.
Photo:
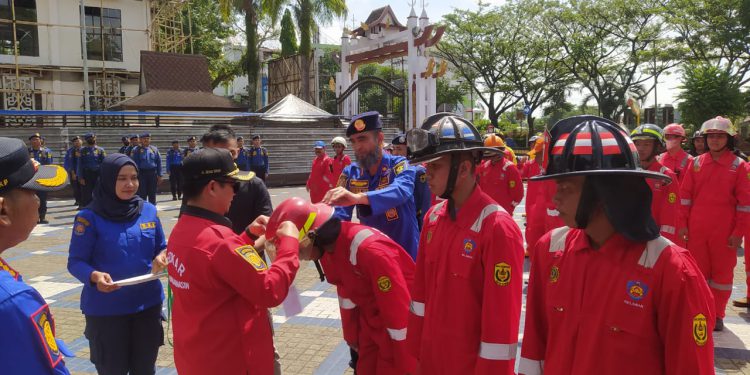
x=106 y=203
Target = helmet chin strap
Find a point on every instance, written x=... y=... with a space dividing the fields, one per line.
x=451 y=185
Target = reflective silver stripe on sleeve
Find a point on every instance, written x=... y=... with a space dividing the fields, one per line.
x=417 y=308
x=668 y=229
x=514 y=203
x=397 y=334
x=743 y=208
x=654 y=249
x=358 y=239
x=433 y=214
x=530 y=367
x=715 y=285
x=557 y=239
x=498 y=352
x=486 y=211
x=686 y=202
x=346 y=303
x=553 y=212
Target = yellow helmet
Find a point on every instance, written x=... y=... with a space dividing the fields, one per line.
x=494 y=140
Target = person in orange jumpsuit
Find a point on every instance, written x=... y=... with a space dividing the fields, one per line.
x=372 y=275
x=466 y=299
x=340 y=160
x=665 y=201
x=715 y=209
x=606 y=293
x=675 y=158
x=320 y=179
x=499 y=178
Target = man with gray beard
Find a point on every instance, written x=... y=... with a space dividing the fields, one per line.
x=379 y=184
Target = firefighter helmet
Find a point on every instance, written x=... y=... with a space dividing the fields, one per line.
x=718 y=125
x=306 y=216
x=675 y=129
x=442 y=134
x=494 y=140
x=339 y=140
x=648 y=131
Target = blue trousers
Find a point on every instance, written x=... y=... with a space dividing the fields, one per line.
x=147 y=185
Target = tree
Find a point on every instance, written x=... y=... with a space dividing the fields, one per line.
x=288 y=36
x=449 y=94
x=471 y=44
x=708 y=91
x=207 y=38
x=308 y=13
x=610 y=46
x=715 y=32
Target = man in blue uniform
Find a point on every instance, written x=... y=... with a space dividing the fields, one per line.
x=191 y=148
x=71 y=164
x=87 y=170
x=259 y=159
x=422 y=193
x=44 y=156
x=243 y=155
x=174 y=168
x=134 y=142
x=147 y=157
x=28 y=338
x=381 y=185
x=125 y=145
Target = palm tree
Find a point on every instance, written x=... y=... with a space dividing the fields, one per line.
x=306 y=13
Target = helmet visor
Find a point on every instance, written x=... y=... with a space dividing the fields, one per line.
x=420 y=140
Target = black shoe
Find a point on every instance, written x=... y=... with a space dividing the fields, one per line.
x=42 y=221
x=719 y=325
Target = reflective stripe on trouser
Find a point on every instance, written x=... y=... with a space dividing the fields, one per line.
x=708 y=245
x=530 y=367
x=497 y=352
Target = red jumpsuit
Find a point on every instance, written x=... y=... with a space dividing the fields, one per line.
x=321 y=178
x=466 y=300
x=677 y=164
x=502 y=182
x=339 y=163
x=715 y=204
x=222 y=292
x=534 y=193
x=665 y=202
x=372 y=275
x=625 y=308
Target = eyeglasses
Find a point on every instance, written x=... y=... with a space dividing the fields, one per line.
x=235 y=184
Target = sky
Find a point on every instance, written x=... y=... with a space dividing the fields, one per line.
x=360 y=9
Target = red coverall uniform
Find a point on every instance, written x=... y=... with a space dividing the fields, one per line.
x=339 y=163
x=321 y=178
x=665 y=203
x=715 y=204
x=534 y=218
x=372 y=275
x=466 y=300
x=502 y=182
x=677 y=164
x=625 y=308
x=222 y=290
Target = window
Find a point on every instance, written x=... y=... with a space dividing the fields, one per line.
x=103 y=34
x=27 y=36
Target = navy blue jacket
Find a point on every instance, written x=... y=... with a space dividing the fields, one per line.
x=91 y=158
x=147 y=158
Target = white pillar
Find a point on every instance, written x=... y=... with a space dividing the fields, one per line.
x=412 y=88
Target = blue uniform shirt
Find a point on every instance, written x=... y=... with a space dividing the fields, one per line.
x=259 y=157
x=422 y=193
x=174 y=157
x=187 y=151
x=391 y=196
x=147 y=158
x=28 y=338
x=243 y=159
x=124 y=149
x=91 y=158
x=122 y=249
x=71 y=159
x=42 y=155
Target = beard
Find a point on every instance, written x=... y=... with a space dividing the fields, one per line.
x=370 y=159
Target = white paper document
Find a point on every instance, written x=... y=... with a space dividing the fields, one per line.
x=140 y=279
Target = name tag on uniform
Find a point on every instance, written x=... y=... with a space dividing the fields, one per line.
x=359 y=186
x=148 y=225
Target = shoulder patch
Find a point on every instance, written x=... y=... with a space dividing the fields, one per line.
x=43 y=323
x=342 y=181
x=700 y=330
x=672 y=197
x=384 y=284
x=398 y=168
x=502 y=274
x=250 y=255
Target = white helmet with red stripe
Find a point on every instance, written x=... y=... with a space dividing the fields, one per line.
x=591 y=145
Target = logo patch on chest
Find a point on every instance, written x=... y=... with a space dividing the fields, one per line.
x=637 y=290
x=469 y=247
x=672 y=197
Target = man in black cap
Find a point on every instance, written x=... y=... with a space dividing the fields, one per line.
x=71 y=164
x=125 y=145
x=43 y=155
x=191 y=147
x=258 y=159
x=87 y=170
x=148 y=159
x=28 y=337
x=134 y=142
x=174 y=168
x=243 y=155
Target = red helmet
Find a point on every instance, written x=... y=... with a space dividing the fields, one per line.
x=675 y=129
x=305 y=216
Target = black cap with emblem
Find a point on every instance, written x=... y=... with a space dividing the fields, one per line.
x=211 y=163
x=17 y=170
x=364 y=122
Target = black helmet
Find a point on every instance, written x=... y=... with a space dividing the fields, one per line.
x=444 y=133
x=591 y=145
x=697 y=134
x=648 y=131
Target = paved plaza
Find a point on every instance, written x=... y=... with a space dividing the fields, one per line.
x=309 y=342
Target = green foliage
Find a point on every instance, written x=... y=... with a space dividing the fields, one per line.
x=708 y=91
x=208 y=35
x=448 y=93
x=288 y=36
x=328 y=67
x=373 y=97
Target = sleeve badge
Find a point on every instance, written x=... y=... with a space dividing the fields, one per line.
x=384 y=284
x=700 y=330
x=672 y=197
x=251 y=256
x=502 y=274
x=398 y=168
x=42 y=320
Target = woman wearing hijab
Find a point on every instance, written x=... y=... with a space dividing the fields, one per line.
x=119 y=236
